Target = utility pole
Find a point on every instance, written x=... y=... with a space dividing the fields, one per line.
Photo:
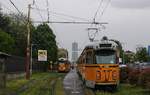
x=28 y=54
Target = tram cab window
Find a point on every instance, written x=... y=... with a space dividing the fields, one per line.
x=89 y=57
x=105 y=57
x=61 y=61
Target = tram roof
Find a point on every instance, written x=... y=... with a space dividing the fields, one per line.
x=96 y=44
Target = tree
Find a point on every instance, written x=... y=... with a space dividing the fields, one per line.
x=43 y=38
x=4 y=22
x=129 y=57
x=142 y=55
x=119 y=46
x=15 y=26
x=18 y=30
x=6 y=42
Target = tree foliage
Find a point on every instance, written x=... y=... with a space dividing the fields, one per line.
x=129 y=57
x=6 y=42
x=4 y=22
x=142 y=55
x=119 y=46
x=19 y=32
x=43 y=38
x=15 y=26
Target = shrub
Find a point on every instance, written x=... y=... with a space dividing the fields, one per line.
x=144 y=79
x=123 y=74
x=134 y=77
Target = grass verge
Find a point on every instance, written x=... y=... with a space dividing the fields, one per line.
x=126 y=89
x=59 y=87
x=39 y=84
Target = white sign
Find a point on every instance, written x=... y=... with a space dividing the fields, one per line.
x=120 y=60
x=42 y=55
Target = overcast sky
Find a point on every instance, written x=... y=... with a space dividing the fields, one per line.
x=128 y=20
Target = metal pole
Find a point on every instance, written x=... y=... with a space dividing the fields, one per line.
x=28 y=45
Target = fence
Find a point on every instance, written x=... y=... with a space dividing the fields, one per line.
x=15 y=64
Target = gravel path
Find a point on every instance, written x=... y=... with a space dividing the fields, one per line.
x=72 y=84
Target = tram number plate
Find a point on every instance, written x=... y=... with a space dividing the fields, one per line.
x=105 y=75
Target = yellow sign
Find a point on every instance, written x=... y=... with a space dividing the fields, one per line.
x=42 y=55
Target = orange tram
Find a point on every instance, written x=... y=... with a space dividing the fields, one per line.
x=98 y=64
x=63 y=65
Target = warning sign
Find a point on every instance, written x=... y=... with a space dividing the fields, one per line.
x=42 y=55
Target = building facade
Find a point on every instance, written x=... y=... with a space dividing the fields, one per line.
x=74 y=51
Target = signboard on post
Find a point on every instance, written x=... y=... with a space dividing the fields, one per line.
x=42 y=55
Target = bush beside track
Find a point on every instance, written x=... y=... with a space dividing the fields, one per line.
x=126 y=89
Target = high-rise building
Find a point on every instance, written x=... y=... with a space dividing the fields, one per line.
x=149 y=50
x=74 y=51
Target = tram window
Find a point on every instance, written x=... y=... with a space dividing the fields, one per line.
x=89 y=58
x=83 y=59
x=61 y=61
x=105 y=57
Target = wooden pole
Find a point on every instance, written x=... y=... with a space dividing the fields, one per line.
x=28 y=45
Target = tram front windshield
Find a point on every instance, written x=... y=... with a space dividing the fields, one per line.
x=105 y=57
x=61 y=61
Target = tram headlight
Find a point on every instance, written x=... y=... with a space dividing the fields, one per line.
x=64 y=68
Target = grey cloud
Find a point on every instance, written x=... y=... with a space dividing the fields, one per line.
x=131 y=3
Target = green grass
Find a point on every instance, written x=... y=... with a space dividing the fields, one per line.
x=59 y=87
x=12 y=86
x=126 y=89
x=39 y=84
x=42 y=86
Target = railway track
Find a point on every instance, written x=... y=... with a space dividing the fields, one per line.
x=89 y=91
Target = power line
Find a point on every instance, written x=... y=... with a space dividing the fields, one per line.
x=97 y=10
x=102 y=13
x=15 y=6
x=17 y=10
x=47 y=3
x=62 y=17
x=62 y=14
x=4 y=6
x=75 y=22
x=38 y=11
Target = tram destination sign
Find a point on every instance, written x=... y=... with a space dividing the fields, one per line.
x=42 y=55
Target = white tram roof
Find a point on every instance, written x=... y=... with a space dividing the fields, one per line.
x=103 y=44
x=62 y=59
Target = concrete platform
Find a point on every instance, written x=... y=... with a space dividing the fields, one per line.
x=72 y=84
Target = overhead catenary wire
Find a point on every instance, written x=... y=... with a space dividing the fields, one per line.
x=100 y=4
x=62 y=14
x=38 y=11
x=75 y=22
x=47 y=3
x=96 y=28
x=62 y=17
x=103 y=10
x=4 y=6
x=15 y=6
x=106 y=6
x=17 y=9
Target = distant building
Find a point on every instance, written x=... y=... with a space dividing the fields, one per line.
x=149 y=50
x=74 y=51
